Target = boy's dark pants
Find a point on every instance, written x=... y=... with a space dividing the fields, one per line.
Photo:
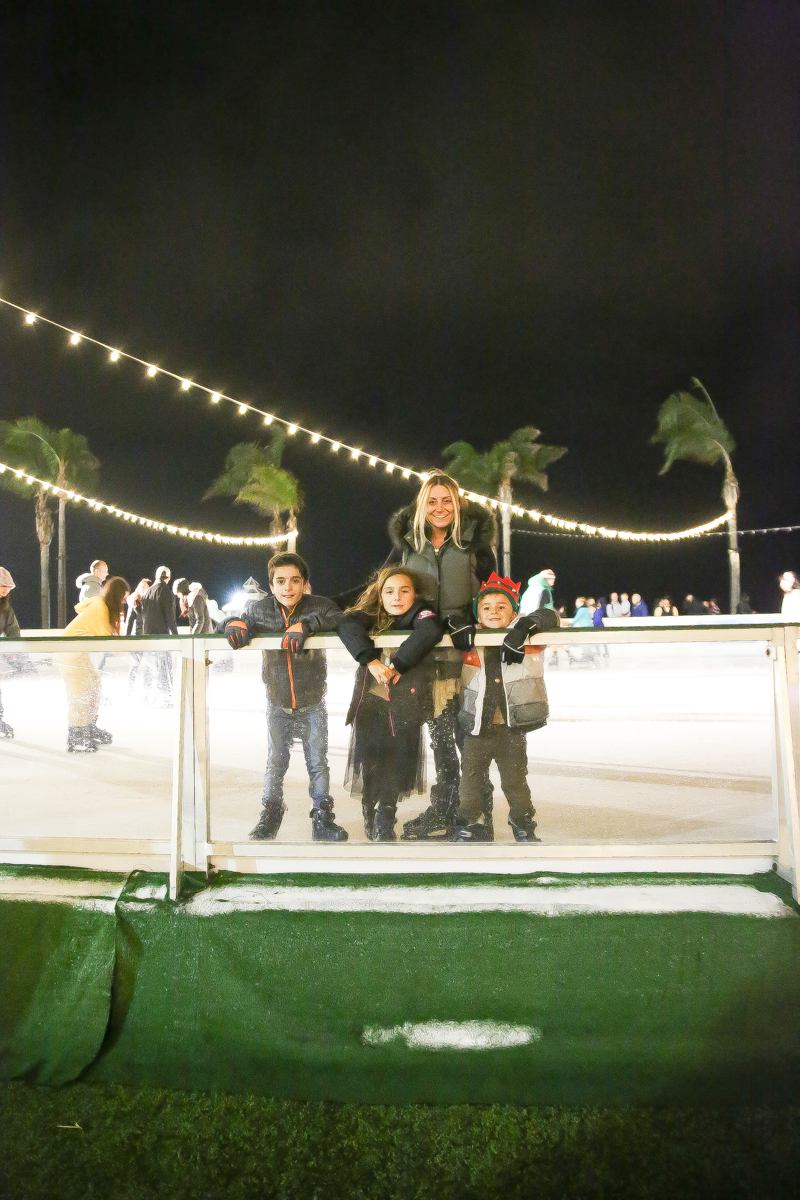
x=508 y=748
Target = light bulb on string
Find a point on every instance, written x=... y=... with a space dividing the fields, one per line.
x=151 y=371
x=185 y=385
x=292 y=430
x=268 y=418
x=242 y=409
x=314 y=438
x=336 y=447
x=30 y=318
x=73 y=341
x=114 y=356
x=215 y=397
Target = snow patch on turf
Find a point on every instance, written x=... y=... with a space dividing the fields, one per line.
x=453 y=1035
x=727 y=899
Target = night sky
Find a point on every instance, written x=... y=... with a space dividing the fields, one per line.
x=406 y=224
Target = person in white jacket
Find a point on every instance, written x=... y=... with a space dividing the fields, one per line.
x=790 y=586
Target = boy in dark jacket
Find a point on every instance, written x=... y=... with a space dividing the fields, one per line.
x=503 y=697
x=296 y=681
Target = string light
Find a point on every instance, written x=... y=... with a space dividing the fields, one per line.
x=147 y=522
x=185 y=385
x=373 y=460
x=114 y=356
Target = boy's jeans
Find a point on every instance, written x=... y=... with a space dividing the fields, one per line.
x=311 y=727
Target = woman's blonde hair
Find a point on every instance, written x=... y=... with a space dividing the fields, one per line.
x=437 y=479
x=370 y=599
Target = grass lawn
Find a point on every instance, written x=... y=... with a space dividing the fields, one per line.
x=118 y=1143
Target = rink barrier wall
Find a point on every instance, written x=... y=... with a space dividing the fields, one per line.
x=190 y=847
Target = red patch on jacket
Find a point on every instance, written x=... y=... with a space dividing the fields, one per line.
x=471 y=658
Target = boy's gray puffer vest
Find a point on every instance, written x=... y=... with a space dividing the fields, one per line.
x=526 y=705
x=452 y=578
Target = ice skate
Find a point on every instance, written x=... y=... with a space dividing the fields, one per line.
x=80 y=740
x=5 y=730
x=478 y=831
x=268 y=823
x=323 y=826
x=102 y=736
x=524 y=828
x=384 y=825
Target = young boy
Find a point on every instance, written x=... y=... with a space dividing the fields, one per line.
x=296 y=681
x=503 y=697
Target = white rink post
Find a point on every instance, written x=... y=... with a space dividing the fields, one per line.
x=178 y=759
x=200 y=791
x=788 y=696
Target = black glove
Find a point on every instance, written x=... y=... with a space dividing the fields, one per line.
x=237 y=633
x=462 y=635
x=295 y=637
x=513 y=648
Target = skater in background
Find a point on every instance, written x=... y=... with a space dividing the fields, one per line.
x=790 y=586
x=392 y=696
x=9 y=628
x=90 y=584
x=665 y=608
x=296 y=681
x=158 y=619
x=503 y=698
x=134 y=627
x=539 y=592
x=100 y=617
x=197 y=610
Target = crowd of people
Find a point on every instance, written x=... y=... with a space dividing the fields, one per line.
x=478 y=702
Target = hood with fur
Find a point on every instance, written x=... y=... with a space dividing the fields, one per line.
x=478 y=526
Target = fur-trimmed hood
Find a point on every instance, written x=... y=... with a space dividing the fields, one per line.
x=478 y=527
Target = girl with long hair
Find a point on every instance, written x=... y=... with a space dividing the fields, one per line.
x=99 y=617
x=391 y=696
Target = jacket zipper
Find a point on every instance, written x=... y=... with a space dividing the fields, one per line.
x=286 y=621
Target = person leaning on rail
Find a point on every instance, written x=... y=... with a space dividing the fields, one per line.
x=296 y=682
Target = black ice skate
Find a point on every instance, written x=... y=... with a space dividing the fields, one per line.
x=80 y=740
x=101 y=736
x=477 y=832
x=524 y=829
x=323 y=826
x=268 y=823
x=383 y=827
x=5 y=730
x=431 y=825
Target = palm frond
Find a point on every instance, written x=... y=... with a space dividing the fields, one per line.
x=690 y=428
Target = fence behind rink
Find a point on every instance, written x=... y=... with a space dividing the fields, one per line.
x=670 y=747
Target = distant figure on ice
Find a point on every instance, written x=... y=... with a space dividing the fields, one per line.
x=100 y=617
x=134 y=627
x=392 y=696
x=539 y=592
x=158 y=618
x=9 y=628
x=296 y=682
x=90 y=585
x=790 y=587
x=503 y=698
x=638 y=606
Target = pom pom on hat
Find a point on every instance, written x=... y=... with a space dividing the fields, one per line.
x=505 y=586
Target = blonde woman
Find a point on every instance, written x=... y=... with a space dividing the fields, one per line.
x=99 y=617
x=449 y=542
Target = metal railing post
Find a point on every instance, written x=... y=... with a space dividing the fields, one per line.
x=201 y=797
x=178 y=761
x=789 y=721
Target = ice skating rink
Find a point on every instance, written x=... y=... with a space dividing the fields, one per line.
x=653 y=743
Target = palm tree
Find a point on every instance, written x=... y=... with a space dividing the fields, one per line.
x=692 y=429
x=62 y=458
x=521 y=459
x=253 y=475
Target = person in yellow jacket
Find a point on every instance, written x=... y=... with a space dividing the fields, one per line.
x=98 y=617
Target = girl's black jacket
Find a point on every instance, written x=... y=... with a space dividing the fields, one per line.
x=411 y=693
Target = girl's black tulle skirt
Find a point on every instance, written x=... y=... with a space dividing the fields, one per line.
x=387 y=752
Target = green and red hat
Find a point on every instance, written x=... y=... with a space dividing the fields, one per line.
x=505 y=586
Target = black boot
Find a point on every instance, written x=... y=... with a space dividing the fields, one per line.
x=80 y=740
x=384 y=824
x=268 y=823
x=437 y=822
x=524 y=828
x=368 y=812
x=476 y=832
x=101 y=736
x=323 y=826
x=5 y=730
